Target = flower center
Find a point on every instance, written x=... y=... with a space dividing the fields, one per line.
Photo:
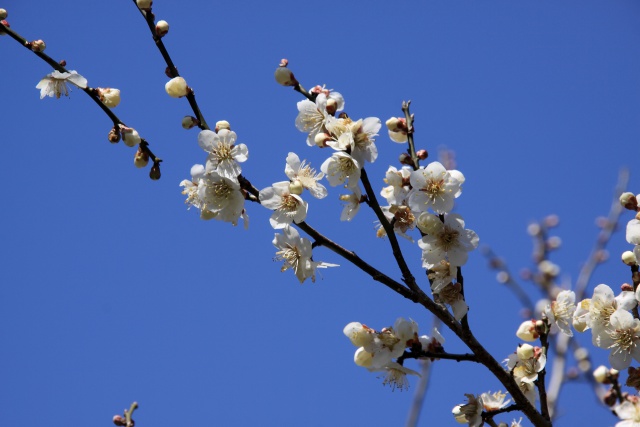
x=288 y=203
x=448 y=238
x=623 y=340
x=223 y=152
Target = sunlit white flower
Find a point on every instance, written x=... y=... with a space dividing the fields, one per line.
x=594 y=313
x=295 y=251
x=221 y=197
x=55 y=84
x=629 y=413
x=110 y=97
x=307 y=176
x=527 y=331
x=435 y=188
x=176 y=87
x=494 y=401
x=190 y=187
x=224 y=154
x=397 y=128
x=329 y=96
x=359 y=334
x=402 y=218
x=341 y=167
x=633 y=232
x=448 y=238
x=622 y=337
x=560 y=312
x=351 y=204
x=525 y=364
x=287 y=207
x=359 y=138
x=397 y=191
x=312 y=117
x=433 y=343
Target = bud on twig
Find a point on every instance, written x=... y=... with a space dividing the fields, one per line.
x=130 y=136
x=119 y=420
x=3 y=14
x=189 y=122
x=144 y=4
x=284 y=76
x=154 y=173
x=177 y=87
x=222 y=124
x=162 y=28
x=141 y=159
x=37 y=46
x=110 y=97
x=629 y=201
x=629 y=258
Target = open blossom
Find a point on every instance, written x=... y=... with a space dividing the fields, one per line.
x=224 y=154
x=287 y=207
x=435 y=187
x=397 y=190
x=359 y=138
x=55 y=84
x=595 y=313
x=451 y=295
x=351 y=204
x=525 y=364
x=445 y=239
x=341 y=167
x=633 y=232
x=622 y=337
x=629 y=413
x=312 y=117
x=396 y=376
x=470 y=412
x=305 y=175
x=295 y=251
x=560 y=312
x=441 y=274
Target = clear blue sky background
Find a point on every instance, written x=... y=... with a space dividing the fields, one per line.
x=111 y=291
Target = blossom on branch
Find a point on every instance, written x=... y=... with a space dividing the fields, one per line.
x=305 y=175
x=445 y=240
x=341 y=167
x=435 y=187
x=288 y=207
x=295 y=251
x=224 y=154
x=55 y=84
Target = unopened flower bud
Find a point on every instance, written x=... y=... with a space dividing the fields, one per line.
x=189 y=122
x=629 y=258
x=552 y=220
x=38 y=46
x=629 y=201
x=222 y=124
x=405 y=159
x=296 y=187
x=177 y=87
x=284 y=76
x=144 y=4
x=396 y=124
x=527 y=331
x=119 y=420
x=114 y=135
x=625 y=287
x=363 y=358
x=141 y=159
x=422 y=154
x=321 y=139
x=154 y=173
x=110 y=97
x=525 y=351
x=610 y=398
x=6 y=24
x=601 y=374
x=130 y=136
x=3 y=14
x=162 y=28
x=332 y=106
x=549 y=268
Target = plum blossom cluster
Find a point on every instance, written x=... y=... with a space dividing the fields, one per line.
x=386 y=350
x=471 y=412
x=214 y=188
x=295 y=251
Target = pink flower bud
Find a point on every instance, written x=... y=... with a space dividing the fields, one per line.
x=332 y=106
x=6 y=24
x=162 y=28
x=38 y=46
x=422 y=154
x=119 y=420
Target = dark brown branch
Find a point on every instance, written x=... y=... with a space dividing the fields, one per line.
x=540 y=383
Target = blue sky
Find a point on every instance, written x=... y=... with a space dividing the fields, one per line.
x=112 y=291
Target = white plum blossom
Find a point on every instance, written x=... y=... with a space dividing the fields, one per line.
x=441 y=274
x=312 y=117
x=224 y=154
x=622 y=337
x=360 y=335
x=525 y=364
x=351 y=204
x=329 y=96
x=445 y=239
x=435 y=187
x=341 y=167
x=633 y=232
x=451 y=295
x=215 y=196
x=397 y=190
x=296 y=252
x=55 y=84
x=359 y=137
x=470 y=412
x=595 y=313
x=629 y=413
x=527 y=331
x=287 y=207
x=402 y=218
x=560 y=312
x=305 y=175
x=396 y=376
